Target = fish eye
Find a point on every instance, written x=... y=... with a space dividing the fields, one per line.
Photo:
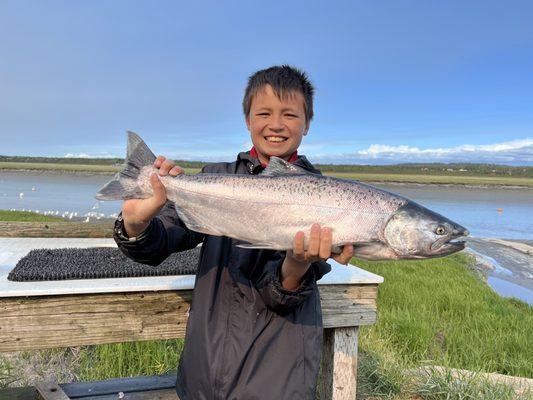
x=440 y=230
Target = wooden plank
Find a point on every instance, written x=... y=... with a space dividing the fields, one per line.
x=74 y=320
x=339 y=364
x=348 y=305
x=164 y=394
x=339 y=320
x=25 y=393
x=113 y=386
x=50 y=391
x=362 y=291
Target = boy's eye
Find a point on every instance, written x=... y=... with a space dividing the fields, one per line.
x=264 y=114
x=291 y=115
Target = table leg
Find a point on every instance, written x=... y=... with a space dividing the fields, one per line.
x=339 y=364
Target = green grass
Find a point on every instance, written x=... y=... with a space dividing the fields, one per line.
x=436 y=179
x=71 y=167
x=59 y=167
x=383 y=376
x=129 y=359
x=437 y=312
x=446 y=386
x=26 y=216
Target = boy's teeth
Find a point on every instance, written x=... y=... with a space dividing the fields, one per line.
x=275 y=139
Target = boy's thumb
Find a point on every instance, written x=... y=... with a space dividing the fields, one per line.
x=160 y=193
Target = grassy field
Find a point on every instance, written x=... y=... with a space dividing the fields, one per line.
x=26 y=216
x=70 y=167
x=59 y=167
x=437 y=312
x=407 y=177
x=437 y=179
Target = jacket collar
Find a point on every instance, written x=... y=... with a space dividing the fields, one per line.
x=253 y=165
x=292 y=158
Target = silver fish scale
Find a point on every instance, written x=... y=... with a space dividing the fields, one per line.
x=268 y=210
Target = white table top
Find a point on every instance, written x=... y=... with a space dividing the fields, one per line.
x=13 y=249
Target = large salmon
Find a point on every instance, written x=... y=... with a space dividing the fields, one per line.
x=266 y=210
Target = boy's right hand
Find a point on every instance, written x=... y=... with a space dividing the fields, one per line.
x=137 y=213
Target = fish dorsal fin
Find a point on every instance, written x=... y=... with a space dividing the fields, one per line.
x=138 y=150
x=278 y=166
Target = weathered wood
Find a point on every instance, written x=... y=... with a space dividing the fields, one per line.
x=50 y=391
x=113 y=386
x=164 y=394
x=31 y=393
x=348 y=305
x=56 y=229
x=339 y=364
x=23 y=393
x=74 y=320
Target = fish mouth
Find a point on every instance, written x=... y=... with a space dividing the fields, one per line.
x=450 y=244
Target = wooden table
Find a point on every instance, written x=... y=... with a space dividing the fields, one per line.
x=39 y=315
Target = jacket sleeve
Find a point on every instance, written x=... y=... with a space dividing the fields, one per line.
x=165 y=235
x=267 y=281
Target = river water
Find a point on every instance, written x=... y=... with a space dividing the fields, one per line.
x=487 y=212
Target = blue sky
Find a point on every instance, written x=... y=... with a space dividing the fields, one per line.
x=396 y=80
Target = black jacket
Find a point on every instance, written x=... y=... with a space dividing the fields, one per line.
x=247 y=337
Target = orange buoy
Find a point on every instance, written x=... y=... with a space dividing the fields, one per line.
x=500 y=210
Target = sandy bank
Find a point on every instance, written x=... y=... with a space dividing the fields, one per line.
x=510 y=260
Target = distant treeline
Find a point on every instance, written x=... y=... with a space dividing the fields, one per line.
x=459 y=169
x=85 y=161
x=463 y=169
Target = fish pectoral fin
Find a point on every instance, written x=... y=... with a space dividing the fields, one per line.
x=373 y=250
x=197 y=223
x=278 y=166
x=258 y=245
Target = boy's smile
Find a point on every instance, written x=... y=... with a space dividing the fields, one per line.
x=276 y=125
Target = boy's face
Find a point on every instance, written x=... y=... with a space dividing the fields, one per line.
x=276 y=125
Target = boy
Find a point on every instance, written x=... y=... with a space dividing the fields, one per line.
x=255 y=323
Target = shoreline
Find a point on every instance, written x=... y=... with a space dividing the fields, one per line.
x=60 y=172
x=509 y=260
x=56 y=172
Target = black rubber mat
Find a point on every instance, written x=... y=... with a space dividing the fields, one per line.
x=96 y=262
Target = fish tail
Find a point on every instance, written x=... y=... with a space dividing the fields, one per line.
x=124 y=185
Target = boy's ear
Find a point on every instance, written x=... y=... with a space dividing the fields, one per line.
x=247 y=120
x=306 y=128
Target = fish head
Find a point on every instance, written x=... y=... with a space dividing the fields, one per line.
x=414 y=231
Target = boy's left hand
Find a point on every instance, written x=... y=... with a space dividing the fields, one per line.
x=298 y=260
x=319 y=247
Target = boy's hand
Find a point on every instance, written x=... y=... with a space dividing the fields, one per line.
x=137 y=213
x=298 y=260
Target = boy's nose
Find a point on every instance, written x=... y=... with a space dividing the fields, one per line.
x=276 y=124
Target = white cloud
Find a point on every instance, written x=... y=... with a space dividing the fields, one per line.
x=85 y=155
x=519 y=152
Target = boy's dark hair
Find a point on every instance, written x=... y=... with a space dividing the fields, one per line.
x=283 y=80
